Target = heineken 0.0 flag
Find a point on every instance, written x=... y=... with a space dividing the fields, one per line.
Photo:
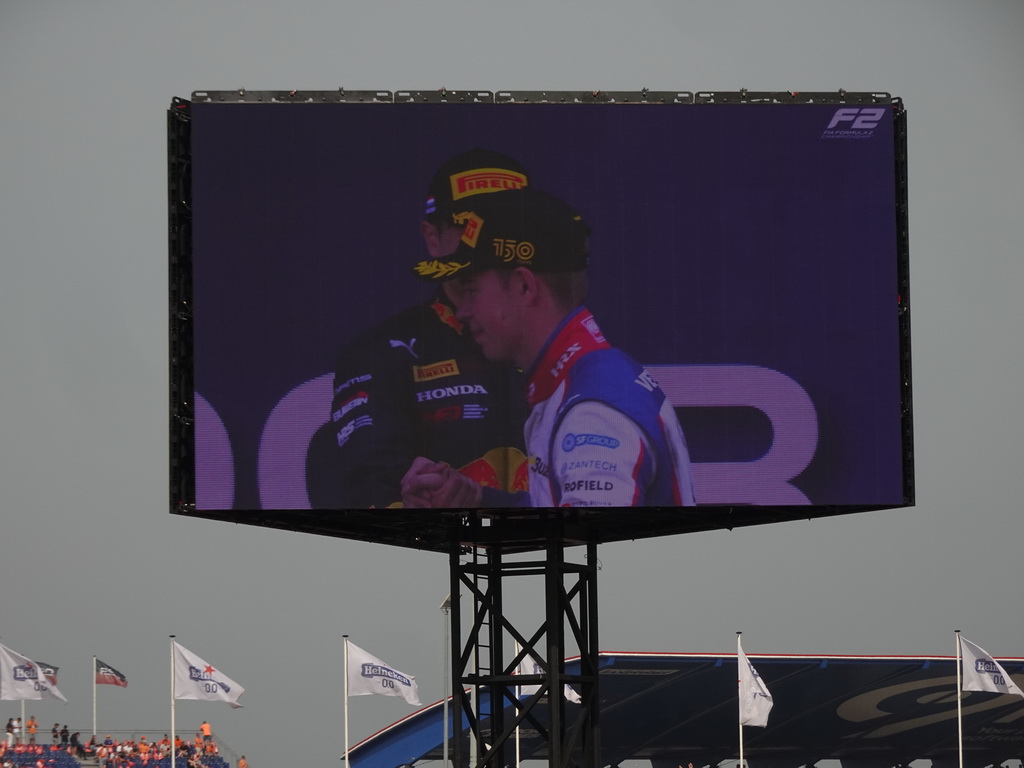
x=983 y=673
x=21 y=678
x=367 y=674
x=196 y=679
x=755 y=699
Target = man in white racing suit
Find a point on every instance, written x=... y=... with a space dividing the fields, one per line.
x=601 y=431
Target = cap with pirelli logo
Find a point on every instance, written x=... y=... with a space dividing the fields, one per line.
x=514 y=228
x=461 y=178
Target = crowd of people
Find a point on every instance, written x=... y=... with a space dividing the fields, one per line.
x=67 y=749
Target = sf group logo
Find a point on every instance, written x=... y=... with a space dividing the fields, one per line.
x=853 y=123
x=571 y=442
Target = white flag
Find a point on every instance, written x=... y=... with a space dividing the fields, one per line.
x=195 y=679
x=755 y=700
x=367 y=674
x=529 y=666
x=983 y=673
x=21 y=678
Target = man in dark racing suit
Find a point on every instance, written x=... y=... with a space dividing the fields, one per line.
x=601 y=432
x=417 y=384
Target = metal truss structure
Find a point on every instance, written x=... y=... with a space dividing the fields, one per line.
x=491 y=652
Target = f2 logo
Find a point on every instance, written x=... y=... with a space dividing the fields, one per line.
x=862 y=118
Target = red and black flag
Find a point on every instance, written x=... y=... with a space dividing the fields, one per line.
x=107 y=675
x=49 y=671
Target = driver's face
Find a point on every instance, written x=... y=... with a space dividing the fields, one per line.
x=487 y=304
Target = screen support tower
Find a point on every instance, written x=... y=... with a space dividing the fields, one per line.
x=488 y=649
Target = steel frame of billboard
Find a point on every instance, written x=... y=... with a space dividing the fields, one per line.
x=484 y=664
x=488 y=537
x=445 y=96
x=179 y=280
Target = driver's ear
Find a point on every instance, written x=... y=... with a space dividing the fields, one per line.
x=525 y=283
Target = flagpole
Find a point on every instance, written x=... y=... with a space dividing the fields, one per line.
x=94 y=698
x=519 y=693
x=174 y=737
x=959 y=697
x=446 y=606
x=347 y=765
x=739 y=699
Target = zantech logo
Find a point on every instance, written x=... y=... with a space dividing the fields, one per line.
x=481 y=180
x=435 y=370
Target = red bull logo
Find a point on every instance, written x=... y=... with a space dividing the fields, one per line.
x=445 y=314
x=482 y=180
x=503 y=468
x=483 y=473
x=520 y=475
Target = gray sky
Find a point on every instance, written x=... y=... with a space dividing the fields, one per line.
x=91 y=562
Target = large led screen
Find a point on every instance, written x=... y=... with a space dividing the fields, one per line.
x=750 y=258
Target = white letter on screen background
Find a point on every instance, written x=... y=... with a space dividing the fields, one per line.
x=763 y=481
x=215 y=465
x=285 y=443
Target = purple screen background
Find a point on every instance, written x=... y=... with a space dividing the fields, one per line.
x=721 y=235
